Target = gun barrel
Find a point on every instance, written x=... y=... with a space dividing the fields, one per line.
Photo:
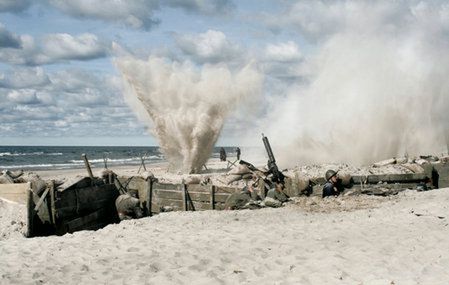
x=268 y=149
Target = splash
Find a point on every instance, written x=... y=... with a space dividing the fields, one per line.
x=377 y=86
x=185 y=106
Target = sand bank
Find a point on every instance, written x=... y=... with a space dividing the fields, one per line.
x=347 y=240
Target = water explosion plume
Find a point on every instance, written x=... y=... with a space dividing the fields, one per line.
x=186 y=105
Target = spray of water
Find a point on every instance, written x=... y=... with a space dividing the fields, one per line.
x=377 y=86
x=185 y=106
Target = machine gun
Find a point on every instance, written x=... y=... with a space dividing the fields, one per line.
x=278 y=177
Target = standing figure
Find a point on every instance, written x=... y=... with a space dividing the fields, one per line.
x=238 y=152
x=222 y=154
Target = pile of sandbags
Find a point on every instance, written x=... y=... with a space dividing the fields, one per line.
x=10 y=177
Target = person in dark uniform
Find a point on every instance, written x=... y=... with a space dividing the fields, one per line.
x=238 y=152
x=333 y=185
x=222 y=154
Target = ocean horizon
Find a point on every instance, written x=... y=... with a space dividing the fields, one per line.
x=70 y=157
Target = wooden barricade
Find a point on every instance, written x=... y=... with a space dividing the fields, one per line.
x=158 y=197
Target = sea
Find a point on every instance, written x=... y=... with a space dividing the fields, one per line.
x=70 y=157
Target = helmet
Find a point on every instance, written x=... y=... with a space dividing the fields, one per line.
x=330 y=173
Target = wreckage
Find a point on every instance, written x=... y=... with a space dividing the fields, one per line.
x=89 y=202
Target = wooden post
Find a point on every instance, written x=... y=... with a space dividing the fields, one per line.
x=86 y=163
x=52 y=202
x=184 y=197
x=212 y=197
x=149 y=187
x=30 y=212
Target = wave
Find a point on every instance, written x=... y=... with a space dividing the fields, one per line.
x=37 y=153
x=80 y=163
x=118 y=160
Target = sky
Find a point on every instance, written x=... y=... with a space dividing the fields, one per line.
x=339 y=80
x=58 y=83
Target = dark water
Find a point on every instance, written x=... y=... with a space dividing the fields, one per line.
x=69 y=157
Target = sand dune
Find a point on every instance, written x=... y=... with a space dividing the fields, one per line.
x=365 y=240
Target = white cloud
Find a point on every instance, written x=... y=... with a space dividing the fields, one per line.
x=63 y=103
x=211 y=46
x=53 y=48
x=24 y=77
x=24 y=96
x=135 y=14
x=283 y=52
x=65 y=46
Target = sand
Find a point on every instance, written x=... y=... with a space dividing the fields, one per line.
x=400 y=239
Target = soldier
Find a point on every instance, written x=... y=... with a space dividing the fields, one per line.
x=277 y=193
x=238 y=152
x=222 y=154
x=333 y=185
x=128 y=207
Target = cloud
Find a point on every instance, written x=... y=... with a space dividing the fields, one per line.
x=134 y=14
x=283 y=52
x=24 y=96
x=24 y=77
x=8 y=40
x=54 y=48
x=14 y=6
x=213 y=7
x=138 y=14
x=211 y=46
x=65 y=103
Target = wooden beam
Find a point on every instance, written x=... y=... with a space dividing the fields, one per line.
x=184 y=197
x=30 y=213
x=149 y=187
x=41 y=199
x=52 y=202
x=212 y=197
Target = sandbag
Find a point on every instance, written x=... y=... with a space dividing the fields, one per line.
x=240 y=169
x=345 y=179
x=232 y=178
x=193 y=179
x=385 y=162
x=415 y=168
x=6 y=179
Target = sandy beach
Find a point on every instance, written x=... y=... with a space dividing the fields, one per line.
x=398 y=239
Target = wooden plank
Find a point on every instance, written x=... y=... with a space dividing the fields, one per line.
x=41 y=199
x=197 y=197
x=198 y=188
x=225 y=189
x=83 y=182
x=75 y=202
x=178 y=205
x=94 y=220
x=165 y=186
